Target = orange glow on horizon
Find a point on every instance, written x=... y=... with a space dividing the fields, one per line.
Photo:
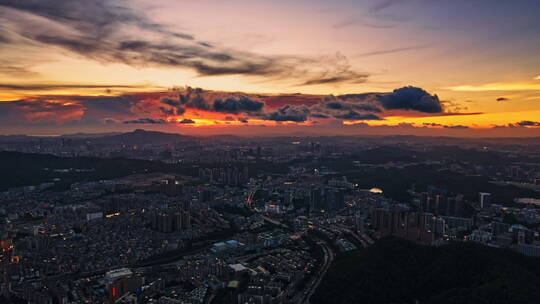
x=480 y=121
x=500 y=86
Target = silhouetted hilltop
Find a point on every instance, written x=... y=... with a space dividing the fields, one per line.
x=140 y=136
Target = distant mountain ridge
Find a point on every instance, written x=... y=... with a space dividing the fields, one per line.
x=89 y=135
x=148 y=137
x=135 y=137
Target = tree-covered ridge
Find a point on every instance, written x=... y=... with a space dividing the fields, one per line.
x=397 y=271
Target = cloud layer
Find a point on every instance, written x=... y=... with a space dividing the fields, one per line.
x=191 y=106
x=108 y=32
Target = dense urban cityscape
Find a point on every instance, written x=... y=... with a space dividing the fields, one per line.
x=245 y=220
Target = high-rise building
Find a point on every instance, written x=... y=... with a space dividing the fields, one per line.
x=334 y=199
x=425 y=201
x=484 y=199
x=245 y=175
x=186 y=220
x=172 y=219
x=164 y=222
x=171 y=187
x=121 y=281
x=177 y=221
x=315 y=200
x=459 y=206
x=288 y=196
x=359 y=223
x=514 y=171
x=441 y=202
x=521 y=234
x=415 y=226
x=499 y=228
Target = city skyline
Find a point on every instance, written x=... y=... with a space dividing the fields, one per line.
x=389 y=67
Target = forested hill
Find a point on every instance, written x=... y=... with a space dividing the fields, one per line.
x=397 y=271
x=24 y=169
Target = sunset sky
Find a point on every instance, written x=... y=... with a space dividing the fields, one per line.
x=438 y=68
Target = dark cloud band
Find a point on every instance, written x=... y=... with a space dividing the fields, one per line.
x=165 y=107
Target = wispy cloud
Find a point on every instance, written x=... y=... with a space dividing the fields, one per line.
x=60 y=86
x=96 y=30
x=395 y=50
x=15 y=68
x=146 y=120
x=352 y=77
x=384 y=4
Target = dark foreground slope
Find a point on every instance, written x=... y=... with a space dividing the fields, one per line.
x=397 y=271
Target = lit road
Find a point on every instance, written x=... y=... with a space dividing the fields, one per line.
x=315 y=282
x=249 y=199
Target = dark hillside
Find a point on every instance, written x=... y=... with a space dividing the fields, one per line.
x=397 y=271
